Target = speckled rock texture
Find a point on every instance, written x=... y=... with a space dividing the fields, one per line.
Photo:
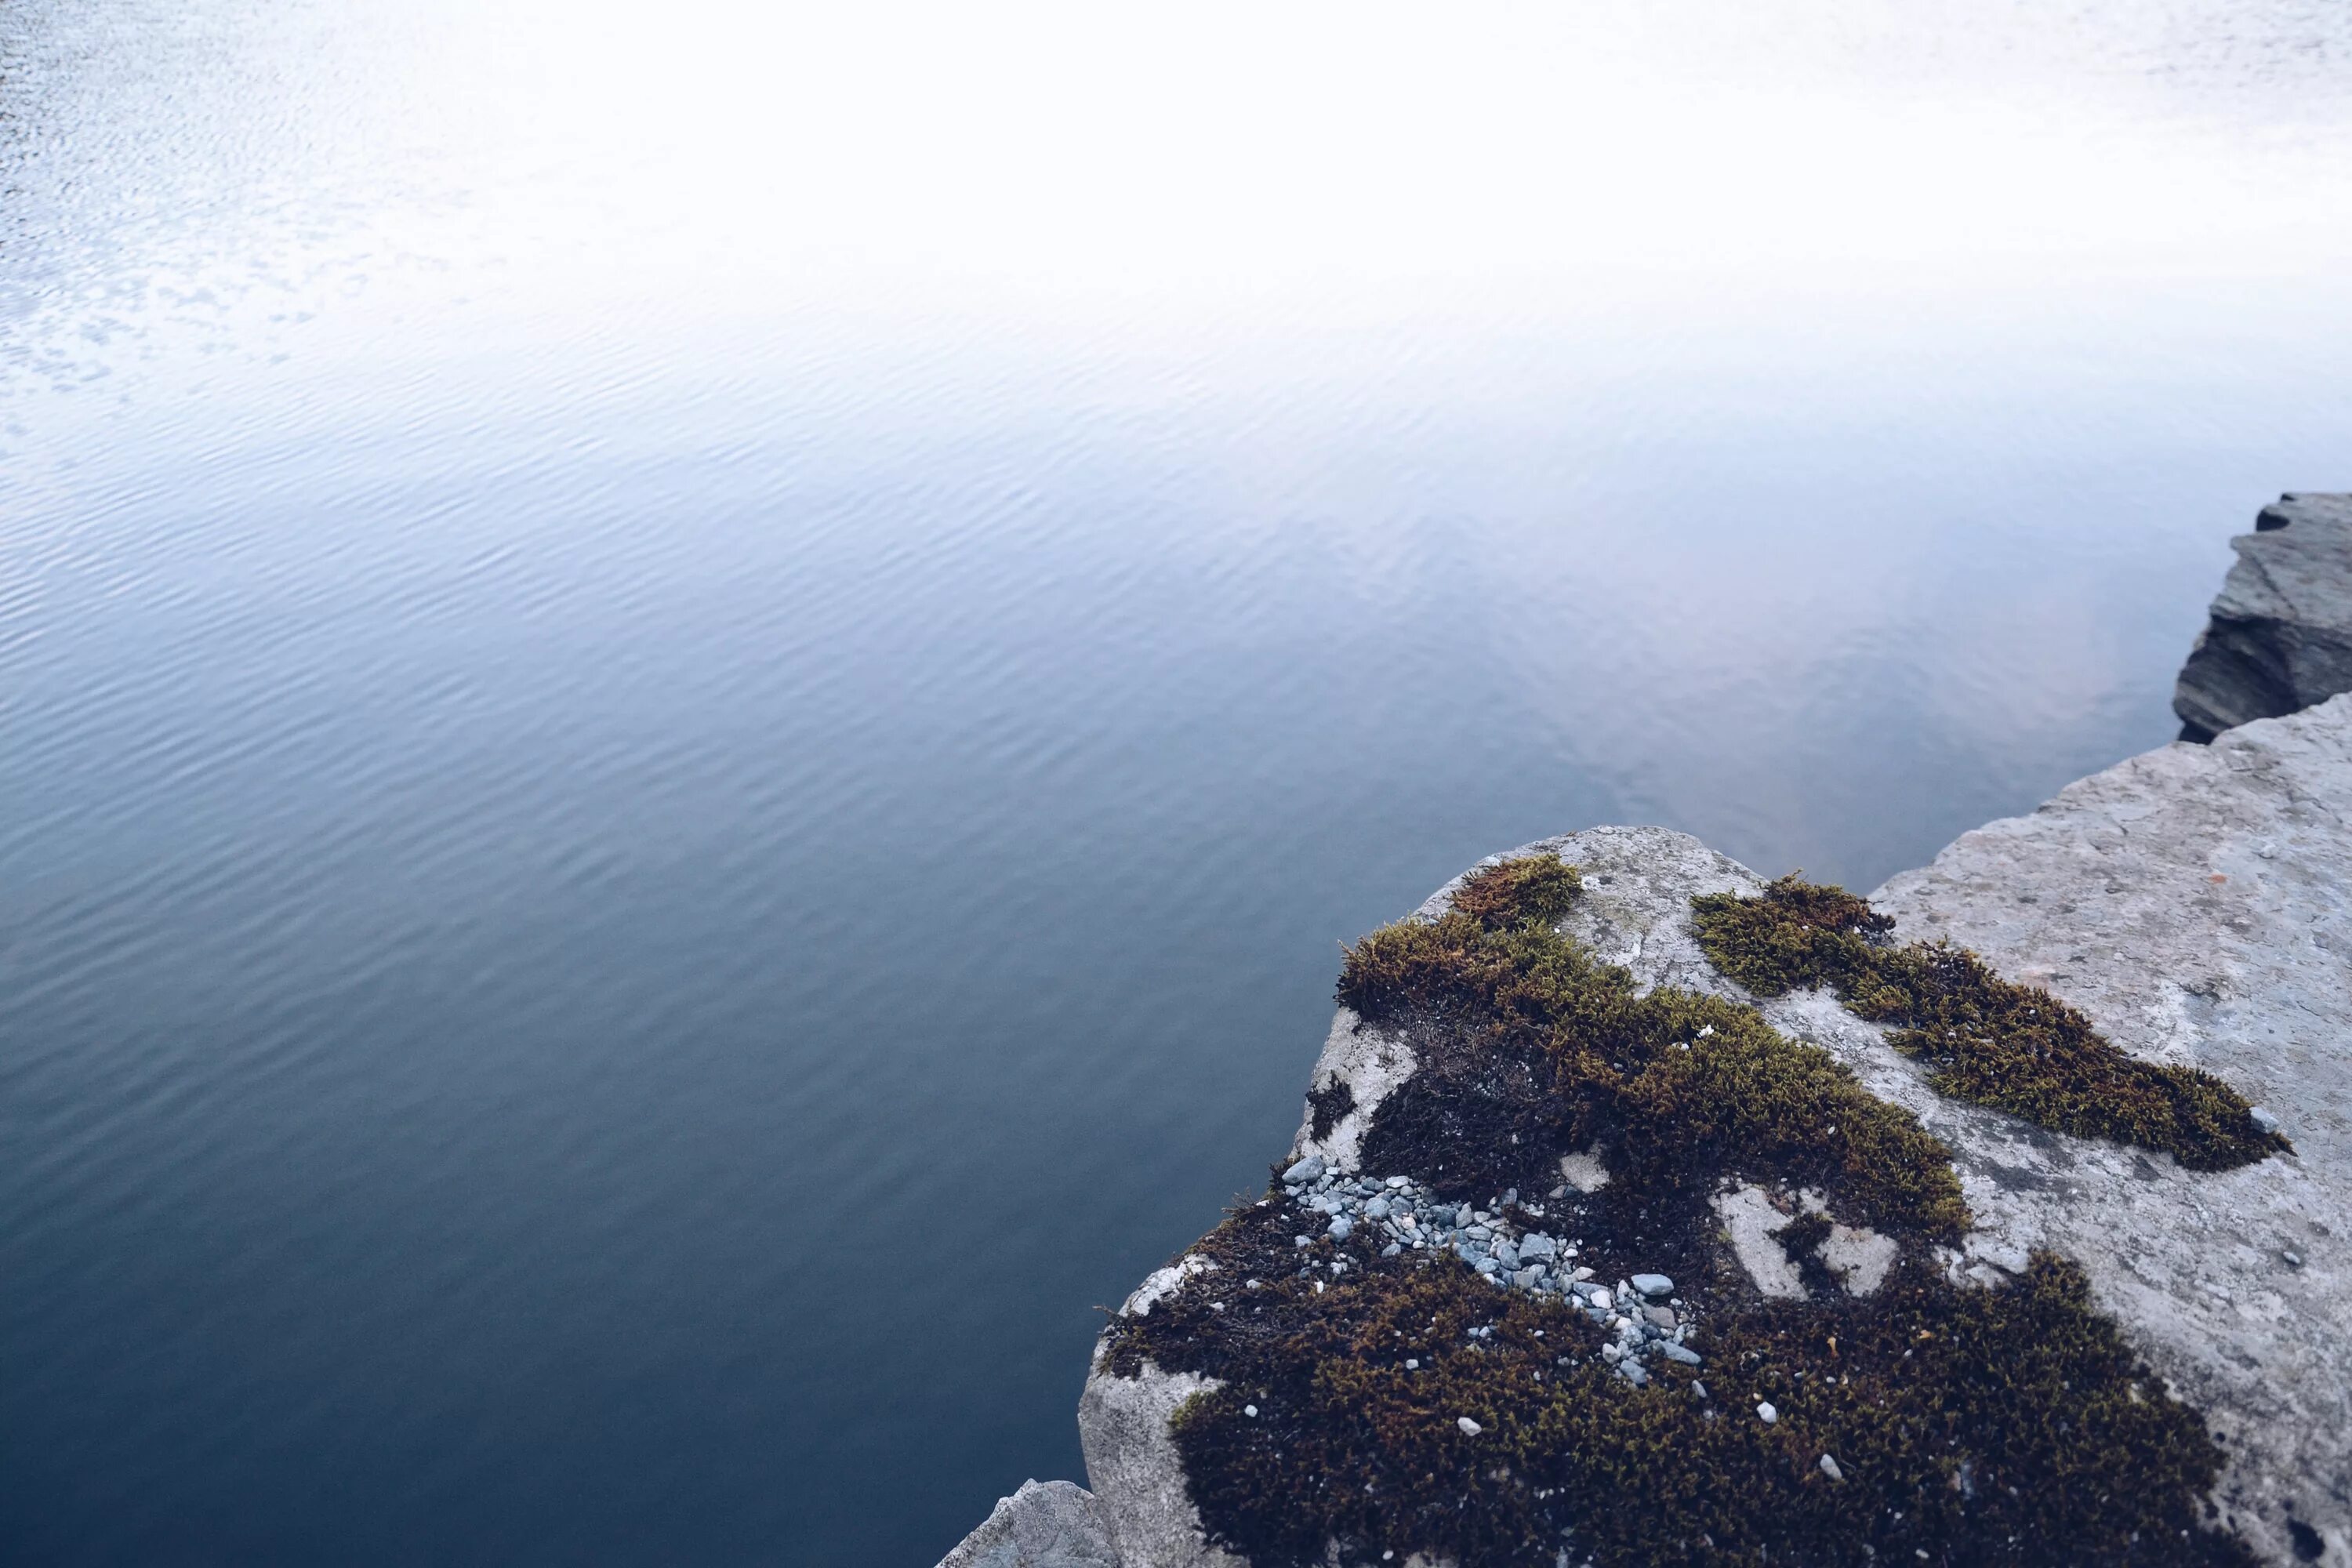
x=2279 y=638
x=2196 y=902
x=1132 y=1464
x=1046 y=1524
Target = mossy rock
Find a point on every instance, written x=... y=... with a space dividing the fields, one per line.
x=1931 y=1419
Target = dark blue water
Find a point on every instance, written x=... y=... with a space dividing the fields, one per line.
x=692 y=701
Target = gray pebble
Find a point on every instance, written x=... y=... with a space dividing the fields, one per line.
x=1653 y=1284
x=1377 y=1209
x=1391 y=1249
x=1682 y=1353
x=1340 y=1227
x=1307 y=1170
x=2263 y=1119
x=1829 y=1469
x=1699 y=1389
x=1658 y=1317
x=1633 y=1371
x=1538 y=1245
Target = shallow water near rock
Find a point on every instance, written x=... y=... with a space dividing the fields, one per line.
x=692 y=703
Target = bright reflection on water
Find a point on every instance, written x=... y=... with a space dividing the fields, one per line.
x=693 y=697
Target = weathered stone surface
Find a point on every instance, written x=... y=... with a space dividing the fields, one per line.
x=1132 y=1465
x=2196 y=903
x=1046 y=1524
x=2279 y=638
x=2192 y=901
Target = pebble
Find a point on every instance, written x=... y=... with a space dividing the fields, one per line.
x=1249 y=1410
x=1829 y=1469
x=1405 y=1215
x=1699 y=1389
x=2263 y=1119
x=1766 y=1414
x=1469 y=1429
x=1633 y=1371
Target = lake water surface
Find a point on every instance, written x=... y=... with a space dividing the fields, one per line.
x=691 y=700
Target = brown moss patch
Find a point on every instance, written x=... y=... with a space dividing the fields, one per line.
x=1988 y=1041
x=1976 y=1426
x=1531 y=1047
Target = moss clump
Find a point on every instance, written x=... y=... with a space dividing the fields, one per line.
x=1966 y=1426
x=2014 y=1048
x=1976 y=1427
x=1531 y=1047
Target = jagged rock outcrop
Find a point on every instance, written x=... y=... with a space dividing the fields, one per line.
x=2193 y=903
x=1046 y=1524
x=2279 y=639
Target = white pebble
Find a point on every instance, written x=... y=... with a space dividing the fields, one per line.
x=1469 y=1429
x=1766 y=1412
x=1249 y=1409
x=1829 y=1469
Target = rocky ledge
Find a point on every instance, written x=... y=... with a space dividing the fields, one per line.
x=2279 y=638
x=1646 y=1211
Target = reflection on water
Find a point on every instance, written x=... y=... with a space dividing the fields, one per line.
x=689 y=715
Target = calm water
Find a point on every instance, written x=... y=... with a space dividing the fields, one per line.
x=692 y=699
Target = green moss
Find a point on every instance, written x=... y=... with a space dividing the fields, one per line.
x=1554 y=1052
x=2014 y=1048
x=1969 y=1426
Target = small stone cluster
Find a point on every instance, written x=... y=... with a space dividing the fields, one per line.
x=1501 y=1241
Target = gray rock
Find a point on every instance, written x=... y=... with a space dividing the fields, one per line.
x=1341 y=1228
x=2107 y=895
x=1654 y=1284
x=2280 y=635
x=1046 y=1524
x=1538 y=1245
x=1132 y=1466
x=1305 y=1170
x=2194 y=902
x=1830 y=1468
x=1391 y=1249
x=1377 y=1209
x=2263 y=1119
